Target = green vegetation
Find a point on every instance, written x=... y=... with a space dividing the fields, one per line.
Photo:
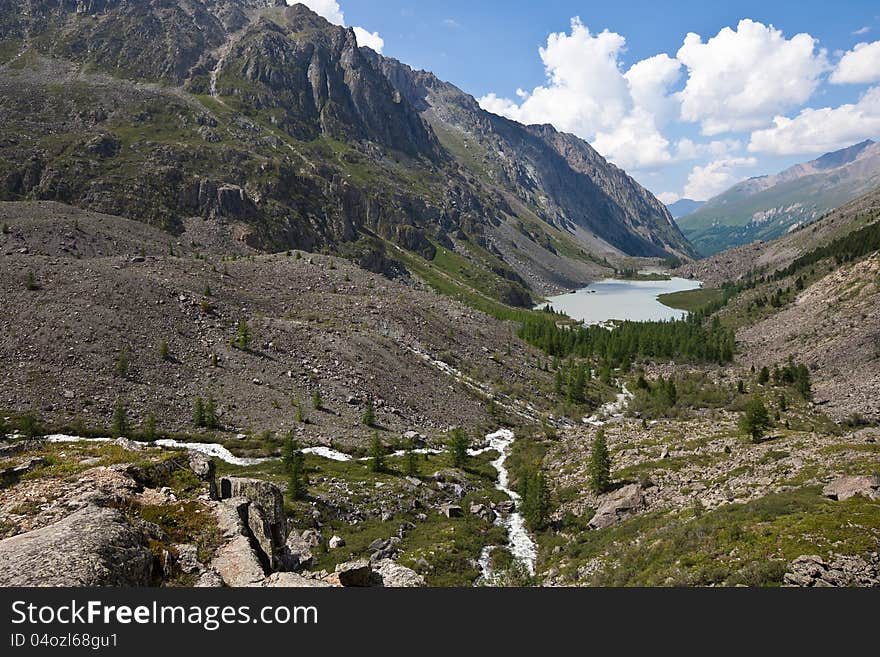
x=535 y=494
x=692 y=300
x=377 y=455
x=458 y=447
x=600 y=464
x=755 y=421
x=735 y=544
x=120 y=419
x=31 y=282
x=164 y=351
x=293 y=461
x=317 y=400
x=243 y=336
x=122 y=364
x=369 y=417
x=685 y=340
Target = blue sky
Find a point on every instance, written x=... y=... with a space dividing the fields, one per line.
x=757 y=87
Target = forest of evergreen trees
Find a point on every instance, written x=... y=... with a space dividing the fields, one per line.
x=692 y=339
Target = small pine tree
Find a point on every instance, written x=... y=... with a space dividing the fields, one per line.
x=207 y=291
x=120 y=420
x=164 y=351
x=369 y=417
x=122 y=364
x=535 y=495
x=600 y=464
x=214 y=360
x=300 y=414
x=243 y=338
x=755 y=420
x=764 y=376
x=377 y=454
x=29 y=426
x=31 y=283
x=411 y=463
x=317 y=400
x=212 y=422
x=199 y=412
x=458 y=447
x=149 y=430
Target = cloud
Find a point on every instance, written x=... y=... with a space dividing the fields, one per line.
x=821 y=130
x=862 y=30
x=687 y=149
x=588 y=94
x=451 y=23
x=331 y=10
x=739 y=79
x=859 y=66
x=369 y=39
x=718 y=176
x=668 y=198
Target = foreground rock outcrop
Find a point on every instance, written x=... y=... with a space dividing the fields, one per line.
x=92 y=547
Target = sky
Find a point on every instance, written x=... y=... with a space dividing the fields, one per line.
x=688 y=97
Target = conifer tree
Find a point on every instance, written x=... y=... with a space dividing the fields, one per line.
x=755 y=420
x=149 y=431
x=120 y=420
x=199 y=412
x=377 y=454
x=243 y=338
x=600 y=464
x=458 y=447
x=212 y=422
x=411 y=464
x=369 y=416
x=317 y=400
x=164 y=351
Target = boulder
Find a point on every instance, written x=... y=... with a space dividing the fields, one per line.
x=336 y=542
x=393 y=575
x=238 y=564
x=836 y=571
x=264 y=516
x=617 y=506
x=297 y=553
x=204 y=468
x=354 y=573
x=209 y=579
x=451 y=510
x=92 y=547
x=292 y=581
x=846 y=487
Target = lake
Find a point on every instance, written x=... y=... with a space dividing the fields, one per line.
x=622 y=300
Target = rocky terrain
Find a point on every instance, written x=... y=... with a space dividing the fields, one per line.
x=696 y=504
x=106 y=290
x=118 y=514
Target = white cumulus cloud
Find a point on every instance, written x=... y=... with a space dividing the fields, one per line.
x=821 y=130
x=858 y=66
x=587 y=93
x=741 y=78
x=331 y=10
x=668 y=198
x=707 y=181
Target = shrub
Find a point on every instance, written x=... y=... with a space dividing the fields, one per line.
x=377 y=455
x=120 y=420
x=755 y=420
x=458 y=447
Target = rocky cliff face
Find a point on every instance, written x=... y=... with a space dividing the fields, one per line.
x=576 y=186
x=267 y=118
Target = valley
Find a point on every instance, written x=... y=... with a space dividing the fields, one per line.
x=281 y=311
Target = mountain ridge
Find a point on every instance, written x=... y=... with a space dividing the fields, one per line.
x=767 y=207
x=270 y=120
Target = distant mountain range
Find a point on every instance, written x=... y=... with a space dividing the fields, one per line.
x=767 y=207
x=683 y=207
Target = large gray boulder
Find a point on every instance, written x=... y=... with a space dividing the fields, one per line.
x=617 y=506
x=92 y=547
x=846 y=487
x=393 y=575
x=355 y=573
x=293 y=581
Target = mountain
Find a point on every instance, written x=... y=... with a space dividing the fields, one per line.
x=766 y=207
x=274 y=124
x=683 y=207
